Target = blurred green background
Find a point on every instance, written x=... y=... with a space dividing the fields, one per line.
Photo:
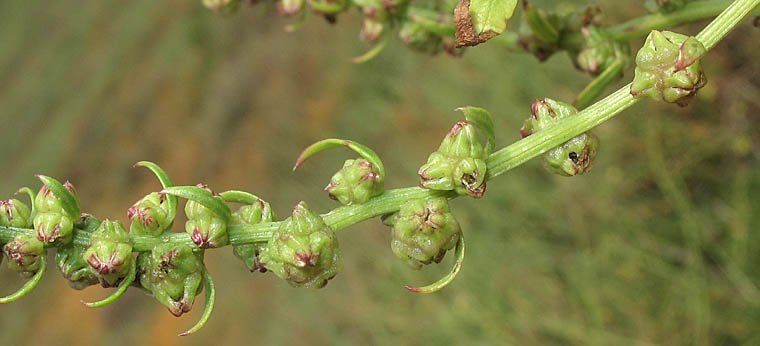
x=657 y=245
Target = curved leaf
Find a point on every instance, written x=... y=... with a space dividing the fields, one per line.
x=119 y=292
x=483 y=120
x=325 y=144
x=165 y=181
x=235 y=196
x=69 y=202
x=29 y=193
x=29 y=285
x=444 y=281
x=202 y=196
x=209 y=308
x=375 y=50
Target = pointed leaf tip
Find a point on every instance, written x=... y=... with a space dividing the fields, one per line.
x=444 y=281
x=209 y=308
x=119 y=292
x=69 y=202
x=29 y=285
x=166 y=182
x=363 y=151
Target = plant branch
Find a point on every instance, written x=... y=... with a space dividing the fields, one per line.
x=690 y=12
x=498 y=163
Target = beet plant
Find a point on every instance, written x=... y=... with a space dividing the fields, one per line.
x=303 y=248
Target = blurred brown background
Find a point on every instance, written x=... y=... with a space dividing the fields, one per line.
x=657 y=245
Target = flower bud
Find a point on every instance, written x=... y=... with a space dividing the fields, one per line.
x=573 y=157
x=74 y=268
x=173 y=274
x=206 y=228
x=304 y=250
x=222 y=6
x=416 y=37
x=359 y=179
x=376 y=21
x=252 y=214
x=110 y=253
x=355 y=183
x=459 y=164
x=423 y=230
x=51 y=221
x=24 y=254
x=14 y=213
x=290 y=7
x=150 y=215
x=542 y=33
x=667 y=68
x=600 y=51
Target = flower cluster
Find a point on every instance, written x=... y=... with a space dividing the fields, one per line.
x=575 y=156
x=668 y=68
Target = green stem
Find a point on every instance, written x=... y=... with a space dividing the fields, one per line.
x=690 y=12
x=498 y=163
x=597 y=86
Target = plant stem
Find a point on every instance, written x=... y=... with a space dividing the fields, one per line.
x=498 y=163
x=690 y=12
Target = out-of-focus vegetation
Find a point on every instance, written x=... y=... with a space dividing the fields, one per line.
x=659 y=244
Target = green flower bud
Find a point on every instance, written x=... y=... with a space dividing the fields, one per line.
x=355 y=183
x=51 y=221
x=173 y=274
x=358 y=180
x=14 y=213
x=222 y=6
x=423 y=230
x=416 y=37
x=24 y=254
x=600 y=51
x=290 y=7
x=376 y=21
x=252 y=214
x=304 y=250
x=667 y=68
x=459 y=164
x=150 y=215
x=110 y=253
x=74 y=268
x=542 y=33
x=206 y=228
x=573 y=157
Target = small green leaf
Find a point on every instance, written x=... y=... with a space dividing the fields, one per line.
x=482 y=119
x=202 y=196
x=444 y=281
x=325 y=144
x=491 y=15
x=29 y=285
x=209 y=308
x=69 y=202
x=165 y=181
x=540 y=25
x=119 y=292
x=235 y=196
